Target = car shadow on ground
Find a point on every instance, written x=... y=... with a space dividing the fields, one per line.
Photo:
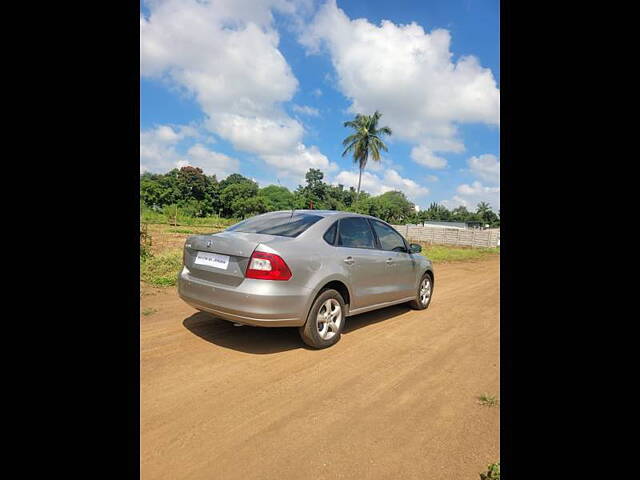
x=262 y=340
x=365 y=319
x=246 y=339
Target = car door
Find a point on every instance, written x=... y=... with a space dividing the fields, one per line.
x=356 y=248
x=400 y=267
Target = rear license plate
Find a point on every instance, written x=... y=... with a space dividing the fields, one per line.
x=212 y=260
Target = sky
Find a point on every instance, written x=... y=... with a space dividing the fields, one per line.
x=263 y=87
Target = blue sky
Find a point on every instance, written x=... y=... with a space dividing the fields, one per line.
x=262 y=87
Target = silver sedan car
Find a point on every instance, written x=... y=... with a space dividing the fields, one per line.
x=304 y=268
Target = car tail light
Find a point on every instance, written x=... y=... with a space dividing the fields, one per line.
x=267 y=266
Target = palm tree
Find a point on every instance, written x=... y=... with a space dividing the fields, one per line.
x=483 y=208
x=485 y=212
x=365 y=141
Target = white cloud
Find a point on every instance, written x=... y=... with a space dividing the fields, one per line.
x=457 y=201
x=157 y=146
x=376 y=185
x=422 y=155
x=261 y=135
x=485 y=167
x=384 y=164
x=225 y=54
x=444 y=145
x=166 y=134
x=212 y=162
x=409 y=75
x=306 y=110
x=297 y=163
x=476 y=189
x=317 y=92
x=409 y=187
x=470 y=195
x=158 y=152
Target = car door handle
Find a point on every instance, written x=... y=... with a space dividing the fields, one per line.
x=349 y=260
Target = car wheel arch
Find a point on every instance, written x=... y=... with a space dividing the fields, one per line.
x=430 y=273
x=334 y=283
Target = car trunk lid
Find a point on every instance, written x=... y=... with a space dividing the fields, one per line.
x=223 y=257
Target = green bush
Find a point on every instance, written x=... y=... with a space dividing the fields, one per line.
x=145 y=252
x=492 y=473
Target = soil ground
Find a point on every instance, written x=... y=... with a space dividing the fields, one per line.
x=396 y=398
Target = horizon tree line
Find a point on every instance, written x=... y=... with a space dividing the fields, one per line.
x=196 y=194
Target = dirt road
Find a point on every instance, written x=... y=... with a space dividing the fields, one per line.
x=396 y=398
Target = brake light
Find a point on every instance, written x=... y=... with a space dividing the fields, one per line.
x=267 y=266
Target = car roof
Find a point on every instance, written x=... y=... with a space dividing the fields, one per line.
x=326 y=213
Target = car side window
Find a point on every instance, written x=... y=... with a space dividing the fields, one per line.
x=355 y=232
x=330 y=235
x=389 y=238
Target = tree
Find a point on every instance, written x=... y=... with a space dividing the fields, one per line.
x=235 y=187
x=366 y=141
x=487 y=215
x=482 y=209
x=436 y=212
x=211 y=200
x=460 y=214
x=314 y=191
x=153 y=193
x=315 y=186
x=234 y=178
x=187 y=188
x=277 y=198
x=365 y=205
x=249 y=206
x=347 y=197
x=393 y=207
x=337 y=198
x=191 y=182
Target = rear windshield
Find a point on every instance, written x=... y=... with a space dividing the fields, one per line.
x=283 y=224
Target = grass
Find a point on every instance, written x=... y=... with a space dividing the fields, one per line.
x=165 y=238
x=492 y=473
x=449 y=253
x=182 y=230
x=488 y=400
x=148 y=311
x=149 y=216
x=161 y=270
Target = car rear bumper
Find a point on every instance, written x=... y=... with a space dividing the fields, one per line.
x=264 y=303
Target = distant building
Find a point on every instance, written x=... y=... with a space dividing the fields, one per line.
x=476 y=225
x=433 y=223
x=458 y=225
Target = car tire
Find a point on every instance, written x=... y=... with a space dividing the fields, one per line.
x=324 y=323
x=418 y=303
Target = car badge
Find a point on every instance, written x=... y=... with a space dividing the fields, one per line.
x=208 y=243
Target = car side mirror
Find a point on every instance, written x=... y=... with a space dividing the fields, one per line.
x=415 y=248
